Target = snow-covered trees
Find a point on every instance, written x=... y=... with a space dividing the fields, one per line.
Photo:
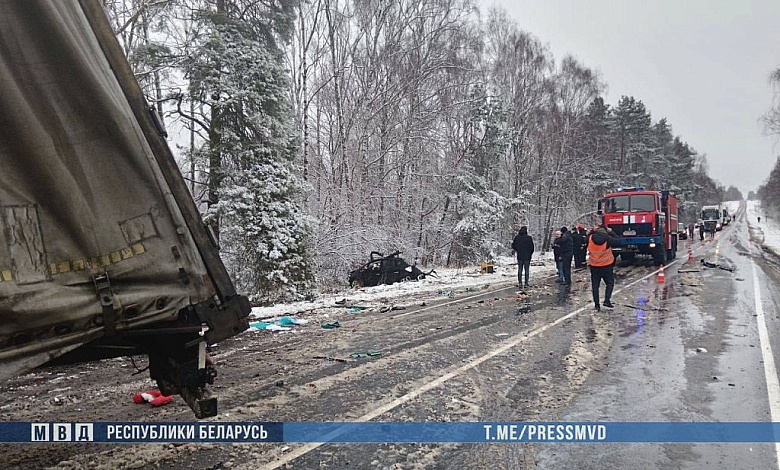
x=417 y=125
x=732 y=194
x=227 y=83
x=254 y=194
x=769 y=192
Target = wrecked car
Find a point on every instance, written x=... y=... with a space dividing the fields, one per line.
x=381 y=269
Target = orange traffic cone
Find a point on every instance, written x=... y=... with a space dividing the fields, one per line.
x=690 y=254
x=661 y=278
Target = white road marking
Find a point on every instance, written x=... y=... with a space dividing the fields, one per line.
x=508 y=344
x=770 y=371
x=453 y=301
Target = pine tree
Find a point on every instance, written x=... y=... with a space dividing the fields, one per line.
x=631 y=127
x=238 y=74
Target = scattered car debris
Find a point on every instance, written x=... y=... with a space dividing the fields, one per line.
x=389 y=308
x=710 y=264
x=282 y=324
x=261 y=325
x=328 y=358
x=356 y=355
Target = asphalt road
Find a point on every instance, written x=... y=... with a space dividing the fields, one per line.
x=689 y=349
x=698 y=357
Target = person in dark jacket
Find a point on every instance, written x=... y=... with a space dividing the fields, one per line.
x=575 y=244
x=583 y=246
x=557 y=255
x=602 y=262
x=567 y=252
x=578 y=241
x=523 y=245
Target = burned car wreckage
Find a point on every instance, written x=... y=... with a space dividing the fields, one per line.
x=382 y=269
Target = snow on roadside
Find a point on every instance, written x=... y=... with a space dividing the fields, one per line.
x=447 y=282
x=767 y=231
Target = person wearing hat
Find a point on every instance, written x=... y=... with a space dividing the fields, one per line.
x=602 y=262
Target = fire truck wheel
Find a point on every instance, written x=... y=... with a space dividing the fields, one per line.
x=672 y=253
x=659 y=255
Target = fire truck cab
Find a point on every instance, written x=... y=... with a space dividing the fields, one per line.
x=645 y=221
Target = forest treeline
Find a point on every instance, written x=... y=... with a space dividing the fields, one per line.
x=312 y=133
x=769 y=191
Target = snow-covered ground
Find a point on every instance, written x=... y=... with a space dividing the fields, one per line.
x=447 y=282
x=767 y=230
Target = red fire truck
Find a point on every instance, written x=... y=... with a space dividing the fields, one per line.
x=646 y=221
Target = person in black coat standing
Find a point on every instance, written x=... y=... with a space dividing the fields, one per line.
x=523 y=245
x=557 y=255
x=567 y=252
x=581 y=251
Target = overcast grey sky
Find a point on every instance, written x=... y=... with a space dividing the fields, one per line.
x=702 y=64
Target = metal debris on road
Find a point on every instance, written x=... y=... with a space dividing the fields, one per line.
x=328 y=358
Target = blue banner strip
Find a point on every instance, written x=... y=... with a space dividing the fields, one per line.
x=392 y=432
x=658 y=432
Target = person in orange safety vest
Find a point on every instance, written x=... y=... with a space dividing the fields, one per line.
x=601 y=262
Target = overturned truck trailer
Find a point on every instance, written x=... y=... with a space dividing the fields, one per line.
x=102 y=251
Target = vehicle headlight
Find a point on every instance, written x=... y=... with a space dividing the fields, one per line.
x=652 y=244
